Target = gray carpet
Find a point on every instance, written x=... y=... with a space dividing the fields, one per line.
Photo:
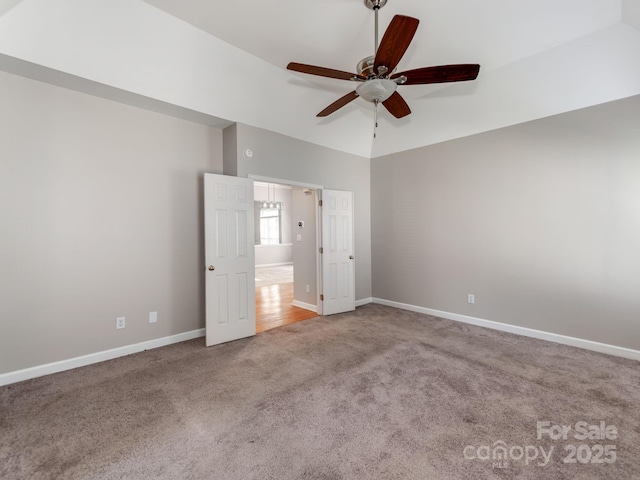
x=375 y=394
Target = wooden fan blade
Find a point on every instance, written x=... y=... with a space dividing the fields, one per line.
x=441 y=74
x=397 y=106
x=322 y=72
x=341 y=102
x=395 y=42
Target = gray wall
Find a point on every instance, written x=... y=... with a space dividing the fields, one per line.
x=230 y=151
x=282 y=157
x=304 y=251
x=541 y=221
x=101 y=214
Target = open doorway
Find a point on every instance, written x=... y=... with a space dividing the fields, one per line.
x=230 y=255
x=285 y=254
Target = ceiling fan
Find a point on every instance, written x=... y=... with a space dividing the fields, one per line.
x=376 y=74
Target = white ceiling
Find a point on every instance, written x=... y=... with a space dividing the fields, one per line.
x=228 y=60
x=338 y=33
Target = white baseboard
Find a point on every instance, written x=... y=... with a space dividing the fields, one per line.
x=527 y=332
x=306 y=306
x=314 y=308
x=363 y=301
x=274 y=264
x=61 y=366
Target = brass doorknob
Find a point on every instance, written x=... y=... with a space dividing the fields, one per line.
x=211 y=268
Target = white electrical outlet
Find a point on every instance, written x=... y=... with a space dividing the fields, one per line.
x=308 y=289
x=153 y=317
x=471 y=298
x=120 y=322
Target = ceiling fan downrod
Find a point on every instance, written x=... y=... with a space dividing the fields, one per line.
x=375 y=42
x=375 y=5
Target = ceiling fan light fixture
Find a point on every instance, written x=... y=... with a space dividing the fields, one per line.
x=377 y=89
x=376 y=73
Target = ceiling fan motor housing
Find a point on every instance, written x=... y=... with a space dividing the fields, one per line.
x=365 y=67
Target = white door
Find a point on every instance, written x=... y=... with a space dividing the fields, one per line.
x=338 y=280
x=229 y=258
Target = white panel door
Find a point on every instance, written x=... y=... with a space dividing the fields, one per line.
x=229 y=258
x=338 y=280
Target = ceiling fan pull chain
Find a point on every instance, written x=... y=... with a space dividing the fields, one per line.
x=375 y=117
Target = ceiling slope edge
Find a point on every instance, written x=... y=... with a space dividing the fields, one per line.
x=26 y=69
x=631 y=13
x=6 y=5
x=134 y=47
x=553 y=82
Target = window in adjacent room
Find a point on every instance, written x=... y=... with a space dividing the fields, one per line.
x=270 y=225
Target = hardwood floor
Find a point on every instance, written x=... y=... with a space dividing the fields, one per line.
x=274 y=309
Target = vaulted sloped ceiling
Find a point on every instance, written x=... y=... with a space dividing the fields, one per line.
x=225 y=61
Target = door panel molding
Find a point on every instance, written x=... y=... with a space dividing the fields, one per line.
x=229 y=258
x=338 y=278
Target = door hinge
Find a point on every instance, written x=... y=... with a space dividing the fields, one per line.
x=321 y=250
x=319 y=203
x=321 y=297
